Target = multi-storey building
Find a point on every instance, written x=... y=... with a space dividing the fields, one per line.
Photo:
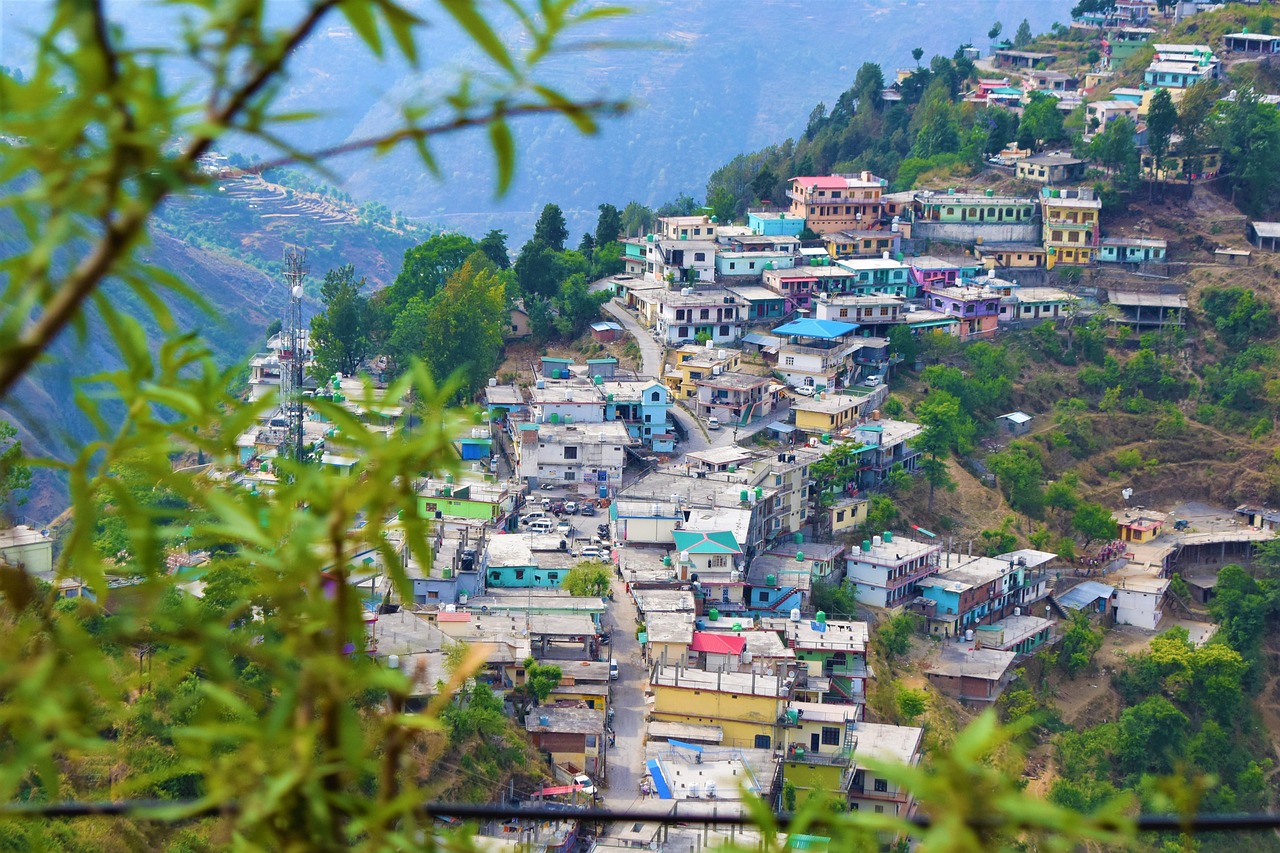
x=681 y=316
x=1071 y=225
x=867 y=311
x=734 y=398
x=977 y=306
x=593 y=454
x=968 y=592
x=799 y=284
x=818 y=354
x=836 y=202
x=886 y=571
x=834 y=652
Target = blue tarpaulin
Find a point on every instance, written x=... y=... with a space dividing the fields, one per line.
x=659 y=779
x=679 y=744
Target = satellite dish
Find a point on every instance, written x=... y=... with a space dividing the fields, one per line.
x=484 y=608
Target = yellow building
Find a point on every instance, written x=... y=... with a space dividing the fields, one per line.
x=846 y=514
x=1010 y=255
x=667 y=637
x=745 y=705
x=572 y=737
x=694 y=363
x=828 y=414
x=1173 y=167
x=1072 y=220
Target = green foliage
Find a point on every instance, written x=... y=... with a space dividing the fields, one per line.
x=1080 y=642
x=540 y=679
x=589 y=578
x=15 y=473
x=1238 y=314
x=340 y=333
x=1020 y=472
x=426 y=268
x=1093 y=521
x=912 y=703
x=550 y=229
x=608 y=225
x=1001 y=540
x=895 y=634
x=1041 y=121
x=837 y=599
x=494 y=246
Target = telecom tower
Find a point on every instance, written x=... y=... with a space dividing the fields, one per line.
x=293 y=354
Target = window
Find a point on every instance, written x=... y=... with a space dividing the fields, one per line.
x=699 y=256
x=830 y=736
x=570 y=476
x=432 y=595
x=789 y=361
x=554 y=577
x=732 y=265
x=704 y=314
x=882 y=786
x=718 y=561
x=519 y=574
x=762 y=595
x=751 y=265
x=879 y=809
x=571 y=453
x=684 y=332
x=763 y=742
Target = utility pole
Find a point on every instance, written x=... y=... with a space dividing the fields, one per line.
x=292 y=353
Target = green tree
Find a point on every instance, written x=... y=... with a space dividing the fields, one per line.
x=916 y=53
x=868 y=88
x=1194 y=109
x=494 y=246
x=540 y=679
x=1022 y=37
x=427 y=267
x=550 y=230
x=409 y=337
x=608 y=225
x=1094 y=522
x=538 y=270
x=636 y=219
x=1080 y=642
x=464 y=325
x=835 y=598
x=1064 y=493
x=587 y=246
x=591 y=578
x=912 y=703
x=994 y=32
x=1041 y=120
x=15 y=473
x=340 y=333
x=1162 y=118
x=1019 y=472
x=895 y=634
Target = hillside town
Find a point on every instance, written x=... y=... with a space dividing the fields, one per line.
x=692 y=541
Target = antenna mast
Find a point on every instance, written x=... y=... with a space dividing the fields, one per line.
x=293 y=353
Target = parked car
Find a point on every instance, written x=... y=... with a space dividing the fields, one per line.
x=713 y=422
x=557 y=507
x=803 y=390
x=588 y=785
x=529 y=518
x=873 y=381
x=587 y=509
x=570 y=507
x=564 y=528
x=546 y=503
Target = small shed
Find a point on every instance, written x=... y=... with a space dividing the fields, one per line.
x=605 y=332
x=1264 y=235
x=1233 y=257
x=1014 y=423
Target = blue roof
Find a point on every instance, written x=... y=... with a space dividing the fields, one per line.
x=810 y=328
x=1085 y=594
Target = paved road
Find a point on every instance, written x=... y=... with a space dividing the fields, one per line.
x=626 y=756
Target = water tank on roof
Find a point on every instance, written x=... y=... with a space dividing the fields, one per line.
x=795 y=614
x=544 y=720
x=540 y=384
x=875 y=540
x=799 y=556
x=968 y=635
x=771 y=580
x=866 y=544
x=493 y=382
x=713 y=614
x=450 y=608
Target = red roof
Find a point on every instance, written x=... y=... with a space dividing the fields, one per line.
x=716 y=643
x=453 y=617
x=824 y=182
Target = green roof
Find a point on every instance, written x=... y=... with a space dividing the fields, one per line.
x=695 y=542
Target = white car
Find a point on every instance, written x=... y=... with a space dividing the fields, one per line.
x=804 y=390
x=588 y=785
x=570 y=507
x=564 y=528
x=873 y=381
x=713 y=422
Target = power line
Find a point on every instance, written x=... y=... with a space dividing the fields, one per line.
x=180 y=810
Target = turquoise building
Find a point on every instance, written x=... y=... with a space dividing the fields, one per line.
x=769 y=223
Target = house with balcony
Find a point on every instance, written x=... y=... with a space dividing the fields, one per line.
x=960 y=216
x=681 y=261
x=818 y=748
x=836 y=202
x=1035 y=304
x=1018 y=633
x=736 y=399
x=682 y=316
x=799 y=284
x=886 y=570
x=881 y=275
x=818 y=353
x=745 y=705
x=883 y=446
x=639 y=404
x=929 y=271
x=871 y=791
x=969 y=592
x=1176 y=166
x=699 y=227
x=863 y=243
x=1071 y=225
x=1131 y=250
x=1051 y=168
x=694 y=363
x=977 y=306
x=828 y=414
x=825 y=559
x=877 y=311
x=777 y=584
x=1044 y=80
x=760 y=303
x=572 y=737
x=831 y=651
x=707 y=553
x=592 y=454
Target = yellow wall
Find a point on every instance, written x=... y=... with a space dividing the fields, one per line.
x=854 y=516
x=676 y=652
x=741 y=718
x=820 y=422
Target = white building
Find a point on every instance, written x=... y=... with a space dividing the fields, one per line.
x=593 y=454
x=823 y=365
x=1140 y=600
x=875 y=309
x=885 y=570
x=680 y=316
